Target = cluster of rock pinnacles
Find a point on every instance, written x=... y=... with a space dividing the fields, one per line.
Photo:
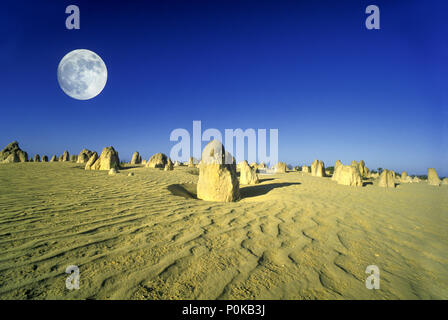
x=218 y=178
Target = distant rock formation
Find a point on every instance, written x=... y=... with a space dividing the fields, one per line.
x=107 y=160
x=11 y=158
x=136 y=158
x=218 y=180
x=404 y=177
x=387 y=179
x=318 y=168
x=415 y=180
x=280 y=167
x=54 y=158
x=44 y=159
x=262 y=165
x=374 y=175
x=191 y=163
x=84 y=156
x=91 y=161
x=158 y=160
x=65 y=157
x=314 y=167
x=305 y=169
x=337 y=165
x=36 y=158
x=363 y=169
x=248 y=175
x=13 y=149
x=445 y=181
x=348 y=176
x=254 y=166
x=73 y=158
x=144 y=162
x=169 y=165
x=433 y=178
x=393 y=174
x=177 y=163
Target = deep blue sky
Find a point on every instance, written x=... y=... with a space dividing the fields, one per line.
x=334 y=89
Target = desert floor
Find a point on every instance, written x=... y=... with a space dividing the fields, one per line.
x=146 y=237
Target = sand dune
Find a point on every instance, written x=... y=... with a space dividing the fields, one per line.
x=293 y=236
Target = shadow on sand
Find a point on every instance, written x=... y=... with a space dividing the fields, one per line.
x=188 y=190
x=261 y=189
x=129 y=166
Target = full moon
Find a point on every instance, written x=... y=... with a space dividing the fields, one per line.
x=82 y=74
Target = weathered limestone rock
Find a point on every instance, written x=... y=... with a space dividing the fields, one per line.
x=280 y=167
x=65 y=157
x=73 y=158
x=136 y=158
x=158 y=160
x=348 y=175
x=433 y=178
x=84 y=156
x=415 y=180
x=387 y=179
x=336 y=170
x=318 y=168
x=248 y=175
x=112 y=171
x=262 y=165
x=36 y=158
x=44 y=159
x=54 y=158
x=404 y=177
x=177 y=164
x=367 y=172
x=108 y=159
x=254 y=165
x=191 y=163
x=11 y=158
x=362 y=168
x=306 y=169
x=169 y=165
x=393 y=173
x=314 y=167
x=445 y=181
x=13 y=148
x=374 y=175
x=218 y=180
x=337 y=164
x=91 y=161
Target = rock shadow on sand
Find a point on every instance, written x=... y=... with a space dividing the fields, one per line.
x=189 y=190
x=185 y=190
x=261 y=189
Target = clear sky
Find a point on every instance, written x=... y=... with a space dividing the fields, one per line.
x=310 y=69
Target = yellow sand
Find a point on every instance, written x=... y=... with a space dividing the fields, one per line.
x=144 y=237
